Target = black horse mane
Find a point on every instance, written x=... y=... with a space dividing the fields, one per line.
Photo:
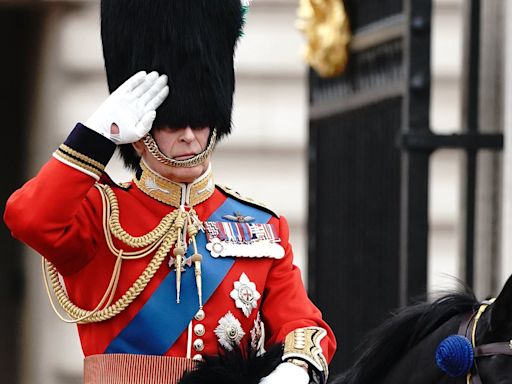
x=400 y=333
x=235 y=367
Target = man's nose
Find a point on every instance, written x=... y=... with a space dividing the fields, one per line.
x=187 y=134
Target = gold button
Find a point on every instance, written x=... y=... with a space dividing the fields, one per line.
x=199 y=329
x=198 y=357
x=199 y=315
x=198 y=345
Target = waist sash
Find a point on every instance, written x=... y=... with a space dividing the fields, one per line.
x=135 y=369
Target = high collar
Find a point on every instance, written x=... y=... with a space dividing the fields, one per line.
x=173 y=193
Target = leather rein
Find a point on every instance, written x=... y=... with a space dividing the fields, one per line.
x=468 y=330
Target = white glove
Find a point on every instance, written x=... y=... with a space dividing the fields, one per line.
x=128 y=113
x=287 y=373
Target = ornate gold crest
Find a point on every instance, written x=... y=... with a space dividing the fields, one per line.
x=326 y=26
x=304 y=343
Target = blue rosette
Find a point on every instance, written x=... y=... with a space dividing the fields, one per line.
x=454 y=355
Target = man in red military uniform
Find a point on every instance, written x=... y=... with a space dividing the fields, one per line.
x=169 y=268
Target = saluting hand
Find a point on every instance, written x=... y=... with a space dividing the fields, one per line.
x=127 y=115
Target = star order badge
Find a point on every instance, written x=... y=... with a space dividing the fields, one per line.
x=229 y=331
x=245 y=295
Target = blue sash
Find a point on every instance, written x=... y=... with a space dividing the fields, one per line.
x=161 y=320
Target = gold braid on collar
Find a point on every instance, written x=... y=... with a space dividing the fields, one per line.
x=170 y=192
x=304 y=344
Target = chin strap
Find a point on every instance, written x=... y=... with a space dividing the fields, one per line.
x=152 y=147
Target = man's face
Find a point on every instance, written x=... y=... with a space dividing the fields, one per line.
x=178 y=144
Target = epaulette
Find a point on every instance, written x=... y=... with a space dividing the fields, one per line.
x=106 y=179
x=228 y=191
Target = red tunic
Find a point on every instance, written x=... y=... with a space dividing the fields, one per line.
x=59 y=214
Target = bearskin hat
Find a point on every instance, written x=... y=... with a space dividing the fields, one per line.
x=191 y=41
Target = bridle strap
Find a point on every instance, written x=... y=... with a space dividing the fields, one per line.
x=468 y=329
x=492 y=349
x=464 y=328
x=474 y=379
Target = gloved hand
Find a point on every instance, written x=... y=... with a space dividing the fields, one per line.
x=287 y=373
x=128 y=113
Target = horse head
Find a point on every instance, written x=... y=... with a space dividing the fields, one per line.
x=454 y=339
x=481 y=351
x=492 y=341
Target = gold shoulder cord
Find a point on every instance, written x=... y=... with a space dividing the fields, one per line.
x=163 y=237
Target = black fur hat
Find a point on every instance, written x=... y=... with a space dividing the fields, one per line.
x=191 y=41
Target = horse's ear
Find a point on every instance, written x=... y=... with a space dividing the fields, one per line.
x=501 y=315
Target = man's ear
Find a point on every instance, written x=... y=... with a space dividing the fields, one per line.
x=139 y=147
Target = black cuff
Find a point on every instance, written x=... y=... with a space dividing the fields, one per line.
x=91 y=144
x=86 y=150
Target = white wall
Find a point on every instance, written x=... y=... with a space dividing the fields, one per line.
x=445 y=185
x=506 y=259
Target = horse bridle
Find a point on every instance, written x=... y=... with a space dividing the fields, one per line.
x=468 y=330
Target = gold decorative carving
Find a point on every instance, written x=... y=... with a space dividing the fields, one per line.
x=304 y=343
x=326 y=26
